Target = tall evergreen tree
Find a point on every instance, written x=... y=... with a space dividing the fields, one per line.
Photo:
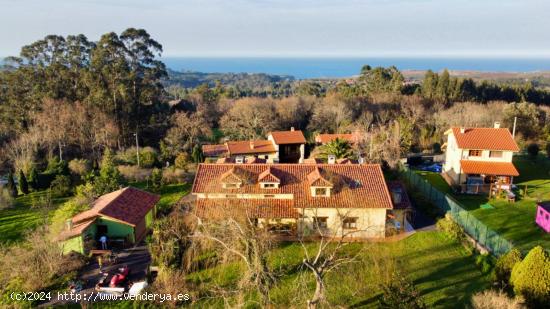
x=109 y=178
x=197 y=154
x=11 y=185
x=23 y=184
x=33 y=179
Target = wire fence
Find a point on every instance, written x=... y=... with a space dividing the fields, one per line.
x=488 y=238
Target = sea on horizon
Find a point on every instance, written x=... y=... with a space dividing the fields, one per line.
x=317 y=67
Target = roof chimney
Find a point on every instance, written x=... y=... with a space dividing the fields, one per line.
x=251 y=144
x=497 y=125
x=291 y=128
x=462 y=130
x=331 y=159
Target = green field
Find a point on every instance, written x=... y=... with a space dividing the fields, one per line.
x=441 y=269
x=27 y=213
x=514 y=221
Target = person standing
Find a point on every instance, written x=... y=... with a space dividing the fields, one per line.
x=103 y=241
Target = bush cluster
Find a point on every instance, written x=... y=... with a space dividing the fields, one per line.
x=450 y=228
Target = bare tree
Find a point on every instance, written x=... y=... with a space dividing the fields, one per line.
x=233 y=229
x=329 y=253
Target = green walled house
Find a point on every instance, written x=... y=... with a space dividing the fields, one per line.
x=124 y=216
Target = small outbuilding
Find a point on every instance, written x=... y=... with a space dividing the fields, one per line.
x=123 y=216
x=543 y=215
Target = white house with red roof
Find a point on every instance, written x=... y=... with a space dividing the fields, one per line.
x=480 y=157
x=342 y=199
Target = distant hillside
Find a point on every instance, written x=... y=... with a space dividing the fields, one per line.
x=190 y=79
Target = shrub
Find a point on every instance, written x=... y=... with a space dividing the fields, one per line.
x=491 y=299
x=531 y=277
x=533 y=150
x=156 y=179
x=23 y=184
x=80 y=167
x=65 y=212
x=400 y=293
x=147 y=156
x=134 y=173
x=181 y=160
x=6 y=200
x=548 y=149
x=505 y=264
x=37 y=262
x=450 y=228
x=173 y=175
x=56 y=167
x=485 y=263
x=61 y=185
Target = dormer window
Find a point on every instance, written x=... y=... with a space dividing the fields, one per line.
x=268 y=180
x=320 y=187
x=230 y=180
x=268 y=185
x=322 y=192
x=227 y=185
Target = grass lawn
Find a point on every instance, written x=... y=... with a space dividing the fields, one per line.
x=514 y=221
x=441 y=269
x=25 y=216
x=169 y=194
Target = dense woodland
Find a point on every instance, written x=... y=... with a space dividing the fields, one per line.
x=72 y=97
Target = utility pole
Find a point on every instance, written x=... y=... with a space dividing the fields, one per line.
x=137 y=147
x=514 y=128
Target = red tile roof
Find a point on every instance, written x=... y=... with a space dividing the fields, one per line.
x=250 y=147
x=317 y=180
x=129 y=205
x=488 y=168
x=214 y=150
x=248 y=160
x=257 y=208
x=485 y=138
x=230 y=177
x=76 y=230
x=288 y=137
x=327 y=138
x=267 y=176
x=355 y=186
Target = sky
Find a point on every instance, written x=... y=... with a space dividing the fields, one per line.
x=294 y=27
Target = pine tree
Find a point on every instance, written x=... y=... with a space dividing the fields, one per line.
x=197 y=154
x=11 y=185
x=23 y=184
x=33 y=179
x=109 y=178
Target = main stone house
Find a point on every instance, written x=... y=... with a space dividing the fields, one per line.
x=333 y=199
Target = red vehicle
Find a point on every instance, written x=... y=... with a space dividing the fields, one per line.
x=120 y=277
